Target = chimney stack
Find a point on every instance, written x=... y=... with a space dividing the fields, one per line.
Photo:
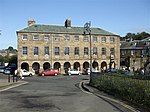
x=68 y=23
x=31 y=22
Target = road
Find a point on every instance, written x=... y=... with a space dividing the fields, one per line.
x=52 y=94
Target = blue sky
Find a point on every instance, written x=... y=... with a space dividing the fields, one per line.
x=116 y=16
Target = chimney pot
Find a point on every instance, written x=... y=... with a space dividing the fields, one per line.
x=31 y=22
x=68 y=23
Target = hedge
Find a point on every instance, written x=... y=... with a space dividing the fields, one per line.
x=134 y=90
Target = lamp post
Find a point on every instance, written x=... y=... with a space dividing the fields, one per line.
x=88 y=30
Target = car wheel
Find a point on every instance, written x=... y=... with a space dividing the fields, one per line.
x=56 y=74
x=43 y=74
x=30 y=74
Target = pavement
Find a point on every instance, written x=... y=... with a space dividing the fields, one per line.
x=108 y=98
x=5 y=85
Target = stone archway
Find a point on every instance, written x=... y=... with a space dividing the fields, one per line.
x=25 y=66
x=103 y=66
x=46 y=65
x=36 y=67
x=67 y=66
x=57 y=66
x=95 y=65
x=86 y=65
x=76 y=66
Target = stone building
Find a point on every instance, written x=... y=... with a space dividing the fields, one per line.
x=135 y=55
x=66 y=47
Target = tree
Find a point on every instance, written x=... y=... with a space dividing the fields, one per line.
x=10 y=48
x=138 y=36
x=13 y=59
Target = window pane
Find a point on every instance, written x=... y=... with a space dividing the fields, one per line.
x=56 y=38
x=94 y=39
x=46 y=37
x=35 y=37
x=103 y=39
x=24 y=37
x=112 y=51
x=66 y=50
x=36 y=51
x=85 y=50
x=76 y=51
x=103 y=51
x=76 y=38
x=67 y=38
x=46 y=50
x=85 y=39
x=56 y=50
x=95 y=50
x=112 y=39
x=24 y=50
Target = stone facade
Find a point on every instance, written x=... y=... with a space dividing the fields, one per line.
x=62 y=61
x=135 y=54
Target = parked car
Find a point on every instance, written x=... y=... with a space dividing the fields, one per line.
x=49 y=72
x=113 y=70
x=9 y=71
x=73 y=72
x=2 y=68
x=27 y=73
x=93 y=70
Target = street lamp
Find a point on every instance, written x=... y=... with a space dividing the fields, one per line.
x=88 y=30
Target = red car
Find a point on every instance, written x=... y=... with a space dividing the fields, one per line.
x=49 y=72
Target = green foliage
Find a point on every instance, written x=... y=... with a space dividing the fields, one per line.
x=13 y=59
x=138 y=36
x=134 y=90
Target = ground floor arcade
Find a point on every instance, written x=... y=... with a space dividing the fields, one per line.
x=64 y=66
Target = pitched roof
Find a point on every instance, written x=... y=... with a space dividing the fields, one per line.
x=62 y=29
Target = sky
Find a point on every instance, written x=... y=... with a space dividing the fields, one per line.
x=116 y=16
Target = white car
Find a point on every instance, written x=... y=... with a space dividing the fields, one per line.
x=73 y=72
x=27 y=73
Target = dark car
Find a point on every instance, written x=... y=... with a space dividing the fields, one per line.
x=113 y=70
x=2 y=68
x=10 y=69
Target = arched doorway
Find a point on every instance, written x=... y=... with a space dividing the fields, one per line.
x=36 y=67
x=103 y=66
x=25 y=66
x=67 y=66
x=76 y=66
x=95 y=65
x=57 y=66
x=86 y=65
x=46 y=65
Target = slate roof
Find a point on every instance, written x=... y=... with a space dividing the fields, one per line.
x=63 y=30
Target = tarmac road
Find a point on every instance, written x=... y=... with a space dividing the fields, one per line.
x=53 y=94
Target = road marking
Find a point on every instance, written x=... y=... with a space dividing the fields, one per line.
x=13 y=86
